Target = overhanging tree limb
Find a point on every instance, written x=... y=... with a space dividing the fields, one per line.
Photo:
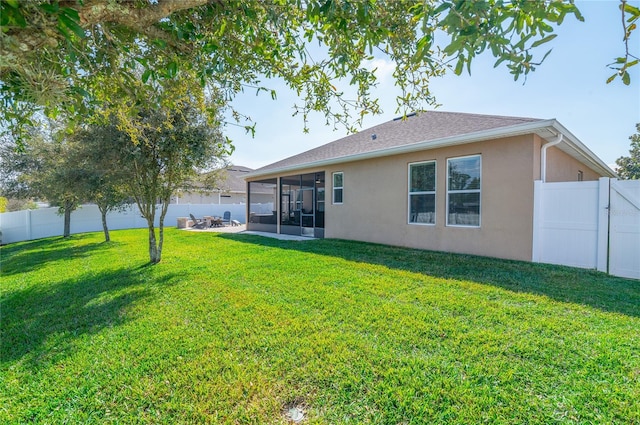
x=113 y=51
x=89 y=13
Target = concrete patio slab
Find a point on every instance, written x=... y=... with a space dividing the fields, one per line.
x=223 y=229
x=243 y=230
x=278 y=236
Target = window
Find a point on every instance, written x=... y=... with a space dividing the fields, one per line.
x=580 y=176
x=463 y=191
x=422 y=192
x=338 y=187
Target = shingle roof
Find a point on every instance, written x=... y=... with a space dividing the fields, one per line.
x=230 y=179
x=419 y=128
x=234 y=181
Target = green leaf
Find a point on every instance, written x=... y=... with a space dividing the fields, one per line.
x=145 y=75
x=250 y=13
x=545 y=55
x=545 y=27
x=499 y=61
x=444 y=6
x=362 y=13
x=544 y=40
x=520 y=44
x=424 y=44
x=71 y=24
x=142 y=61
x=50 y=8
x=626 y=78
x=70 y=13
x=63 y=30
x=613 y=77
x=172 y=69
x=250 y=129
x=325 y=7
x=469 y=30
x=455 y=46
x=459 y=65
x=82 y=92
x=18 y=19
x=631 y=9
x=13 y=3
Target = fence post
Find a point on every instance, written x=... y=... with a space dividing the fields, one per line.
x=28 y=224
x=602 y=248
x=538 y=189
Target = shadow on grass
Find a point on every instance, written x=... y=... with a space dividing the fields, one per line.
x=28 y=256
x=565 y=284
x=44 y=321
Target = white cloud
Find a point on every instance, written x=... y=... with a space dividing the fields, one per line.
x=383 y=69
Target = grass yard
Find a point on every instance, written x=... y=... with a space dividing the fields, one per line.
x=237 y=329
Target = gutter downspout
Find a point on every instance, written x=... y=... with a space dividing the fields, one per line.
x=543 y=156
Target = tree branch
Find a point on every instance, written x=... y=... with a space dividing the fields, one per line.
x=24 y=40
x=127 y=14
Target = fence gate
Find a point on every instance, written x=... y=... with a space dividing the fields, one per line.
x=624 y=228
x=593 y=224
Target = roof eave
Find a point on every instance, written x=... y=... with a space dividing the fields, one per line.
x=583 y=152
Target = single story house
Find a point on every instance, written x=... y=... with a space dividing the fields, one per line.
x=441 y=181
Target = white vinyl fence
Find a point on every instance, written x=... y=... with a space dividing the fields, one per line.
x=624 y=224
x=41 y=223
x=592 y=224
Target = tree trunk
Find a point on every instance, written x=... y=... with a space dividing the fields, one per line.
x=160 y=241
x=147 y=210
x=67 y=219
x=105 y=229
x=154 y=253
x=163 y=213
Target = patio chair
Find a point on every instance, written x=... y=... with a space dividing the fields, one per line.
x=226 y=218
x=197 y=224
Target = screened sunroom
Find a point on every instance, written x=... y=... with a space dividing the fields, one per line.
x=292 y=205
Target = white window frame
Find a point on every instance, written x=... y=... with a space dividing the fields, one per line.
x=333 y=188
x=479 y=191
x=428 y=192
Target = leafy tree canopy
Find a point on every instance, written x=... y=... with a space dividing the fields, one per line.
x=629 y=166
x=46 y=167
x=72 y=55
x=173 y=145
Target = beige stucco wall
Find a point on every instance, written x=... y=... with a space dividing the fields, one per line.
x=537 y=154
x=375 y=207
x=564 y=168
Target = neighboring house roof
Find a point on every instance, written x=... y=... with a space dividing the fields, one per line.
x=228 y=180
x=429 y=130
x=234 y=181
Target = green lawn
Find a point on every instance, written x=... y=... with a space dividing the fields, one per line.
x=238 y=329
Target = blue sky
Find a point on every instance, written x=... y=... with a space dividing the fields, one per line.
x=569 y=86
